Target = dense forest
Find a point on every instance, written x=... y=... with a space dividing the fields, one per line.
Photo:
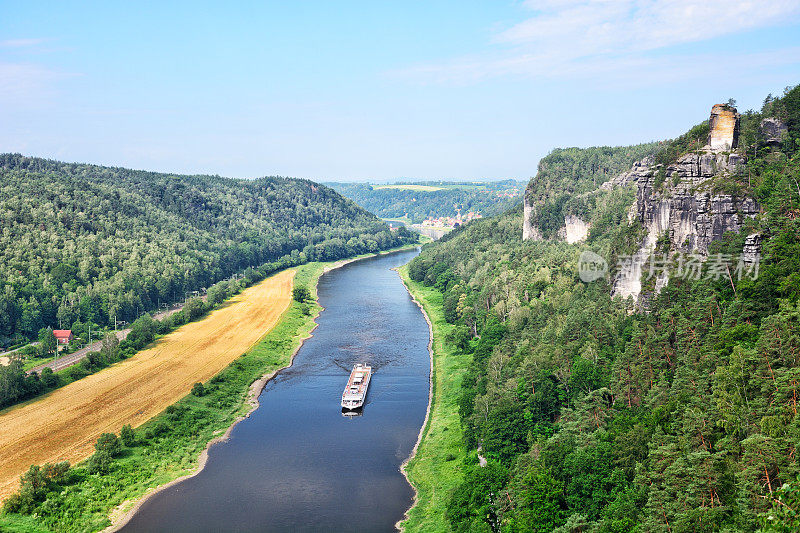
x=567 y=181
x=596 y=419
x=84 y=244
x=433 y=199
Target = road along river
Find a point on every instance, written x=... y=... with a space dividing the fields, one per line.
x=298 y=464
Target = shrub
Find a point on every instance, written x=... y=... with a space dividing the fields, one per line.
x=108 y=443
x=301 y=294
x=34 y=486
x=48 y=378
x=128 y=436
x=198 y=389
x=194 y=309
x=99 y=463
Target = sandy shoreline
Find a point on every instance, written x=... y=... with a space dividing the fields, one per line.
x=120 y=517
x=413 y=453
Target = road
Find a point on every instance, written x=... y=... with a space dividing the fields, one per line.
x=76 y=357
x=5 y=355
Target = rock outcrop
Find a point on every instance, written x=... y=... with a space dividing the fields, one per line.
x=724 y=128
x=639 y=170
x=773 y=130
x=682 y=202
x=575 y=229
x=529 y=231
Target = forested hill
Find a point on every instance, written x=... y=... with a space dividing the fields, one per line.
x=418 y=201
x=568 y=178
x=596 y=419
x=85 y=243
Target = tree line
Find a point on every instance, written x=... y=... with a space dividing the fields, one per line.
x=84 y=245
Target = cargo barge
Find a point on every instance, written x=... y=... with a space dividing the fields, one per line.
x=356 y=390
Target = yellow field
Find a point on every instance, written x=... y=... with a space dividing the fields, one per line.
x=409 y=187
x=65 y=424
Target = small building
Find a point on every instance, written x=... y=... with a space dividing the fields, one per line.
x=63 y=336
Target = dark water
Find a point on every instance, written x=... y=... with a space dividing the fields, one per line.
x=297 y=464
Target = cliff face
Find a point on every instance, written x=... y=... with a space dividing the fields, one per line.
x=575 y=229
x=680 y=201
x=688 y=202
x=724 y=125
x=684 y=204
x=529 y=231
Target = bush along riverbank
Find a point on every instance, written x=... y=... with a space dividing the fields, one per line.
x=435 y=469
x=167 y=447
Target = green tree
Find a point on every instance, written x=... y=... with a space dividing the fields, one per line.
x=48 y=344
x=301 y=294
x=127 y=435
x=539 y=504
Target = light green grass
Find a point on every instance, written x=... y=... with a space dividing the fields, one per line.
x=32 y=362
x=21 y=524
x=171 y=443
x=402 y=220
x=436 y=469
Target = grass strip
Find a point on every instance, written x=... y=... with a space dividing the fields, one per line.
x=436 y=468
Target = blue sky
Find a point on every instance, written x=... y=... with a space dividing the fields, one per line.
x=376 y=90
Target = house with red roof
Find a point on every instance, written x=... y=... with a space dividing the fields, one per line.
x=63 y=336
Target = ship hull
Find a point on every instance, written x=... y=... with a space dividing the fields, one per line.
x=355 y=392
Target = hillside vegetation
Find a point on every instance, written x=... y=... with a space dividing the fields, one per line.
x=595 y=419
x=418 y=201
x=568 y=179
x=83 y=244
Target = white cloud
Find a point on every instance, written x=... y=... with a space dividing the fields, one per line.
x=628 y=25
x=20 y=43
x=583 y=37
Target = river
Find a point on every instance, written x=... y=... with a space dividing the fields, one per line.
x=298 y=464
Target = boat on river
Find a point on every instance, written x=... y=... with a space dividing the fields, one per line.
x=356 y=390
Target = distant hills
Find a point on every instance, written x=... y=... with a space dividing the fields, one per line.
x=414 y=202
x=87 y=243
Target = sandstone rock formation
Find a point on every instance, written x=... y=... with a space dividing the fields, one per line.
x=638 y=170
x=681 y=200
x=687 y=201
x=575 y=229
x=529 y=231
x=773 y=130
x=724 y=128
x=685 y=204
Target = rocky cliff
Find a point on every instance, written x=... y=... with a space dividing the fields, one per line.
x=724 y=126
x=686 y=202
x=682 y=201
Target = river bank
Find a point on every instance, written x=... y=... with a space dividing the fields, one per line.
x=308 y=277
x=174 y=444
x=434 y=468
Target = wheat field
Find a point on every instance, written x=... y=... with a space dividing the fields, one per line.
x=65 y=424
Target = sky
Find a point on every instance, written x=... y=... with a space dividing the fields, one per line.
x=376 y=90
